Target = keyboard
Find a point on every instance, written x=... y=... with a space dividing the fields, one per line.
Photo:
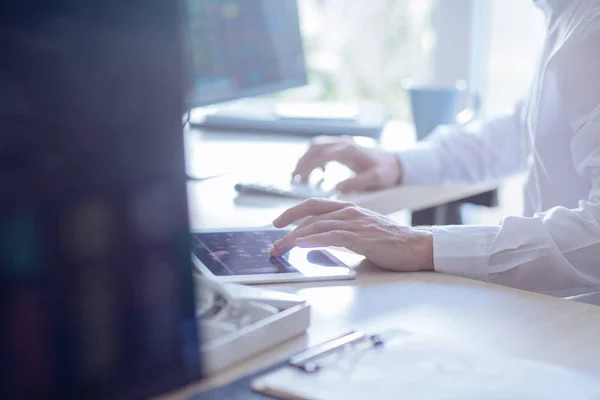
x=268 y=116
x=294 y=190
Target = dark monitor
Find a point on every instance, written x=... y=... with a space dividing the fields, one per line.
x=96 y=288
x=242 y=48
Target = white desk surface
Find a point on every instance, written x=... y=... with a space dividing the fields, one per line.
x=215 y=204
x=477 y=315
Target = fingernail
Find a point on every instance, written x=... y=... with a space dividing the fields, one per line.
x=273 y=252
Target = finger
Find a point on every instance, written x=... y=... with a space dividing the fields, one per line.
x=344 y=239
x=344 y=153
x=307 y=163
x=367 y=180
x=343 y=214
x=308 y=208
x=284 y=244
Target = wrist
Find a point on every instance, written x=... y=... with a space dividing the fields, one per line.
x=396 y=166
x=423 y=248
x=400 y=170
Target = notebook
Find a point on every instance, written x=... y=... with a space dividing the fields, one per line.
x=409 y=366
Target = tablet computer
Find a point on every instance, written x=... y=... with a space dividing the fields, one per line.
x=242 y=256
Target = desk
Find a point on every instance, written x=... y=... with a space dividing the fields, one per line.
x=215 y=204
x=473 y=314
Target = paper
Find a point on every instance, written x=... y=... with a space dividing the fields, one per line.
x=412 y=367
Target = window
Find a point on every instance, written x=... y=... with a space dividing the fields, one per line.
x=359 y=50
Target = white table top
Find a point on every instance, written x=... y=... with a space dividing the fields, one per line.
x=215 y=204
x=473 y=314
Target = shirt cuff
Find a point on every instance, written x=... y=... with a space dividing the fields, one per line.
x=462 y=250
x=419 y=165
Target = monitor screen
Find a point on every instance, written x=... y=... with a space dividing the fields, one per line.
x=241 y=48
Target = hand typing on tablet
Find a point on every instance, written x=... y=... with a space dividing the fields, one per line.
x=342 y=224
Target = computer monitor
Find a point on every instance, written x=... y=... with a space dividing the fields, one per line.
x=241 y=48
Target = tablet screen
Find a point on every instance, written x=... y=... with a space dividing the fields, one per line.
x=247 y=253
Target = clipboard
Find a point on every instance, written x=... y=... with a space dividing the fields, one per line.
x=402 y=365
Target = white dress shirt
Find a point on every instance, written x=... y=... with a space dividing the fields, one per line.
x=554 y=135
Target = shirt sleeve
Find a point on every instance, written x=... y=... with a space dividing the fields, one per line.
x=556 y=252
x=477 y=152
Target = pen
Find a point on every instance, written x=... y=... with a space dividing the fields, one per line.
x=304 y=359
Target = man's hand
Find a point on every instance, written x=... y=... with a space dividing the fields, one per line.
x=374 y=168
x=341 y=224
